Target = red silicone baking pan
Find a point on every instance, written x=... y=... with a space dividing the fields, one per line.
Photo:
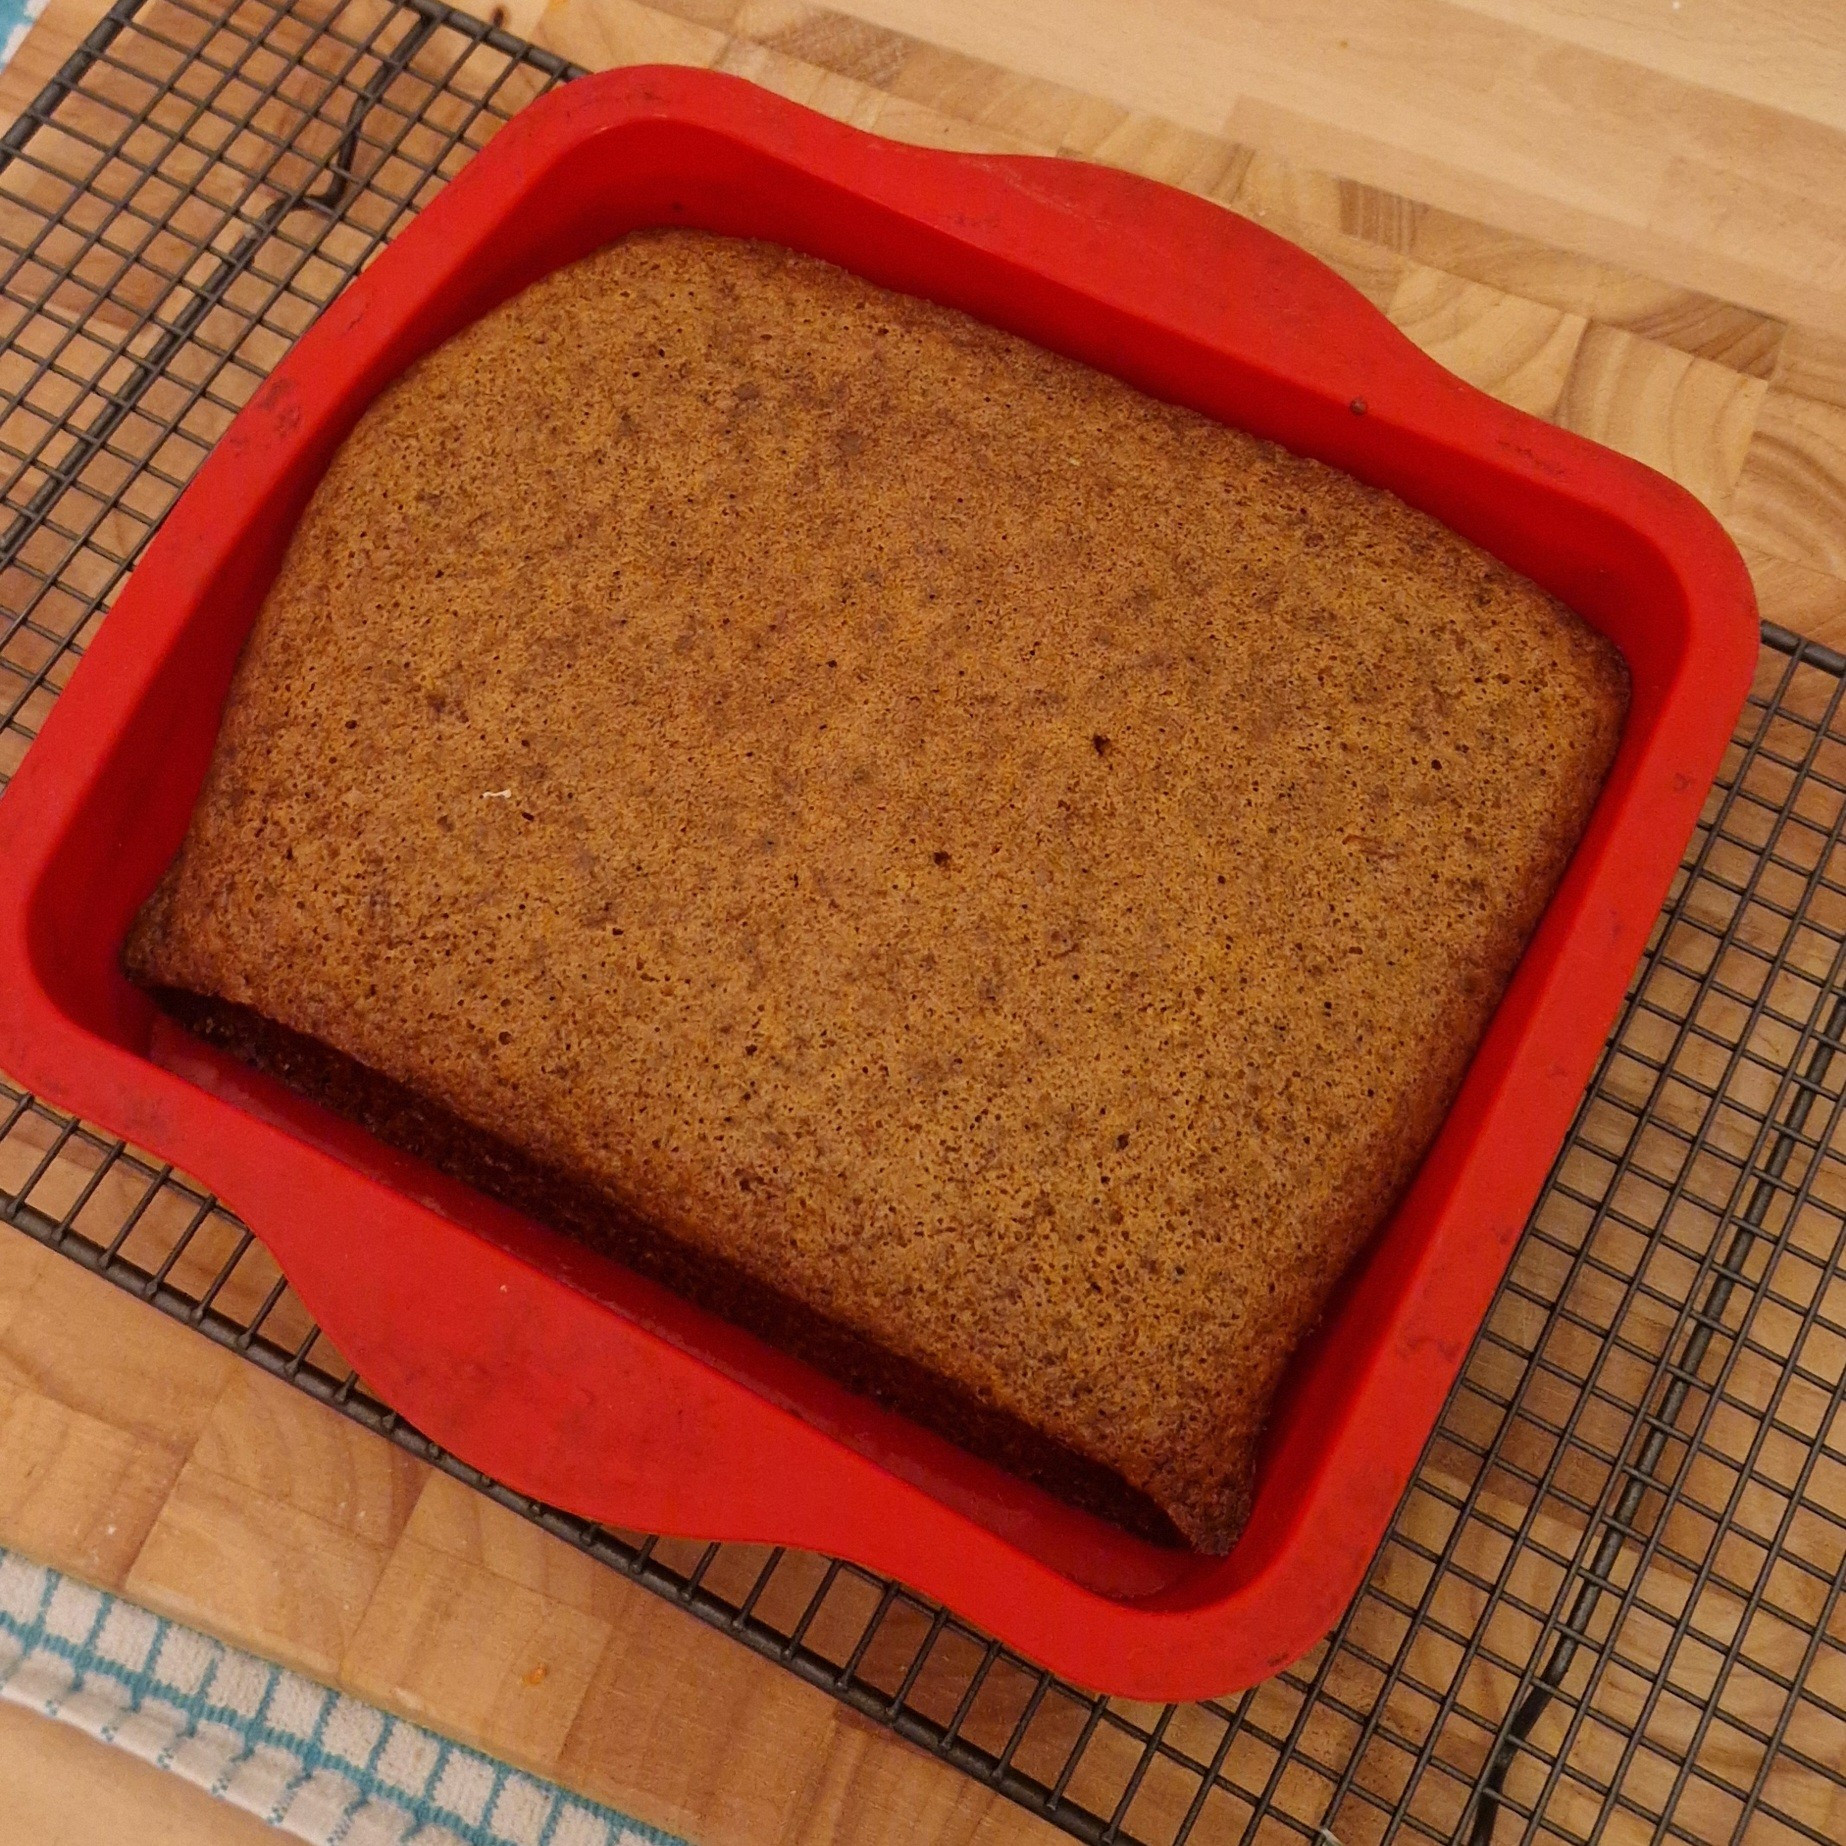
x=576 y=1382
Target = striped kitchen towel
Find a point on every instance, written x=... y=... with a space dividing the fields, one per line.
x=316 y=1763
x=16 y=17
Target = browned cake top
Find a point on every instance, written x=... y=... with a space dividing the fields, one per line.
x=1018 y=867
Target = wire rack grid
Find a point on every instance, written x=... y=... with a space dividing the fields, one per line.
x=1609 y=1607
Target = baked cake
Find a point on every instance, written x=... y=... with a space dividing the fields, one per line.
x=986 y=878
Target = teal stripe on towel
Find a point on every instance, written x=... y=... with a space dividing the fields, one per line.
x=323 y=1766
x=16 y=17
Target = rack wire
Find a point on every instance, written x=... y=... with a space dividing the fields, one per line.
x=1609 y=1607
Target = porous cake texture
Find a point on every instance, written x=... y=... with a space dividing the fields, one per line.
x=985 y=878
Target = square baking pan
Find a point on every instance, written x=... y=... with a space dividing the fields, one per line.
x=585 y=1386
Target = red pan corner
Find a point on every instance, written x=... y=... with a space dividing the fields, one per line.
x=567 y=1377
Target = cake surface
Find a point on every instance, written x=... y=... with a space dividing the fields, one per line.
x=989 y=879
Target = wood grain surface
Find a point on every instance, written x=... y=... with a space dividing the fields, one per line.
x=66 y=1789
x=1628 y=221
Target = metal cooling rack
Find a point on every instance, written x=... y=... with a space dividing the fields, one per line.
x=1608 y=1608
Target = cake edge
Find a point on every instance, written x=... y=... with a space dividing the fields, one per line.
x=415 y=1125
